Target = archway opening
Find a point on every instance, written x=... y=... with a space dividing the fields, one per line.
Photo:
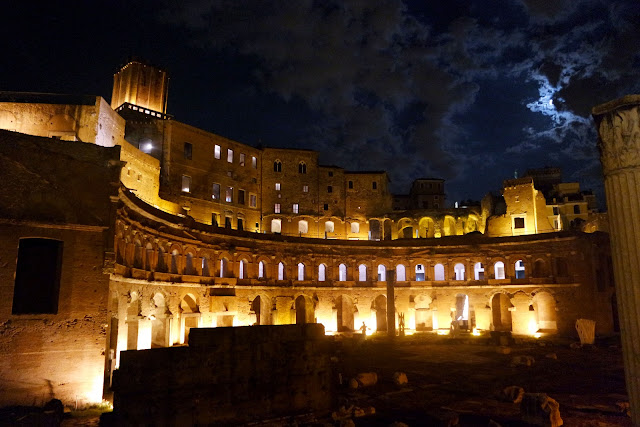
x=401 y=274
x=499 y=270
x=462 y=311
x=380 y=308
x=344 y=313
x=519 y=266
x=420 y=273
x=438 y=272
x=500 y=313
x=424 y=315
x=305 y=310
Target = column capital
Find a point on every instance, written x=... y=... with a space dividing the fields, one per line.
x=618 y=124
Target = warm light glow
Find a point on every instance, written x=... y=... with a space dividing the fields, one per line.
x=537 y=334
x=533 y=325
x=443 y=331
x=475 y=332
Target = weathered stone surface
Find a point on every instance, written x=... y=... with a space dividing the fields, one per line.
x=400 y=378
x=367 y=379
x=522 y=361
x=512 y=394
x=540 y=410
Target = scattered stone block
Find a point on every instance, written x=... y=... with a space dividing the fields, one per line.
x=586 y=330
x=624 y=408
x=342 y=413
x=353 y=383
x=551 y=356
x=512 y=394
x=540 y=410
x=503 y=350
x=575 y=345
x=400 y=378
x=361 y=412
x=522 y=361
x=366 y=379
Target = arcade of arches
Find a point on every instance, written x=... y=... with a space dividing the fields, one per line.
x=168 y=282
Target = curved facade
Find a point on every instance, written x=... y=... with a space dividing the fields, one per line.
x=170 y=277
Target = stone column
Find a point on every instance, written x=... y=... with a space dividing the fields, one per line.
x=619 y=143
x=391 y=303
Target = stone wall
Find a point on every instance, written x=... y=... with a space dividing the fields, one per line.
x=226 y=376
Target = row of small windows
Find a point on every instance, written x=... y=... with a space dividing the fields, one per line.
x=305 y=188
x=303 y=226
x=217 y=153
x=228 y=193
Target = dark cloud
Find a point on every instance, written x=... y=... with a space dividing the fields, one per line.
x=418 y=90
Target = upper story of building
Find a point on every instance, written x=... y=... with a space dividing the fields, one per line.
x=192 y=173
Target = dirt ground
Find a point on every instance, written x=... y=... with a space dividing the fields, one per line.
x=465 y=374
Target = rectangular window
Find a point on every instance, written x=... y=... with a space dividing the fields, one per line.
x=216 y=151
x=351 y=185
x=240 y=224
x=37 y=280
x=305 y=188
x=375 y=185
x=518 y=222
x=355 y=227
x=576 y=209
x=330 y=173
x=188 y=150
x=241 y=159
x=253 y=201
x=227 y=222
x=556 y=210
x=277 y=186
x=214 y=219
x=241 y=197
x=230 y=155
x=326 y=206
x=329 y=189
x=295 y=208
x=276 y=208
x=254 y=162
x=228 y=197
x=186 y=183
x=215 y=192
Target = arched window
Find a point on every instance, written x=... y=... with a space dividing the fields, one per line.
x=277 y=166
x=281 y=271
x=382 y=273
x=242 y=269
x=342 y=273
x=401 y=274
x=223 y=267
x=321 y=272
x=303 y=227
x=362 y=273
x=189 y=267
x=438 y=272
x=459 y=270
x=300 y=271
x=205 y=266
x=302 y=167
x=261 y=270
x=478 y=271
x=499 y=270
x=520 y=269
x=276 y=226
x=420 y=273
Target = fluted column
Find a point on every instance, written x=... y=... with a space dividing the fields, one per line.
x=618 y=124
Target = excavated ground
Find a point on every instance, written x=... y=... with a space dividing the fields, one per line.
x=465 y=375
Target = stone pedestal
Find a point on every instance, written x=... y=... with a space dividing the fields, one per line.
x=618 y=124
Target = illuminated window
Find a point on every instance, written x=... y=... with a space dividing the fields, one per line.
x=362 y=273
x=277 y=166
x=478 y=271
x=329 y=189
x=281 y=272
x=186 y=183
x=321 y=272
x=276 y=208
x=215 y=192
x=499 y=270
x=277 y=186
x=261 y=270
x=300 y=271
x=519 y=269
x=342 y=273
x=375 y=185
x=303 y=227
x=228 y=196
x=216 y=151
x=382 y=273
x=241 y=197
x=241 y=159
x=400 y=273
x=253 y=200
x=276 y=226
x=420 y=272
x=295 y=208
x=230 y=155
x=355 y=227
x=37 y=280
x=328 y=227
x=305 y=188
x=254 y=162
x=459 y=271
x=188 y=150
x=302 y=167
x=438 y=272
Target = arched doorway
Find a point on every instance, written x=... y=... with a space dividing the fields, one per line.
x=462 y=311
x=500 y=314
x=262 y=309
x=160 y=323
x=190 y=315
x=544 y=305
x=344 y=313
x=380 y=309
x=305 y=310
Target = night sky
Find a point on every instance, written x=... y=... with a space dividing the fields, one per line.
x=469 y=91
